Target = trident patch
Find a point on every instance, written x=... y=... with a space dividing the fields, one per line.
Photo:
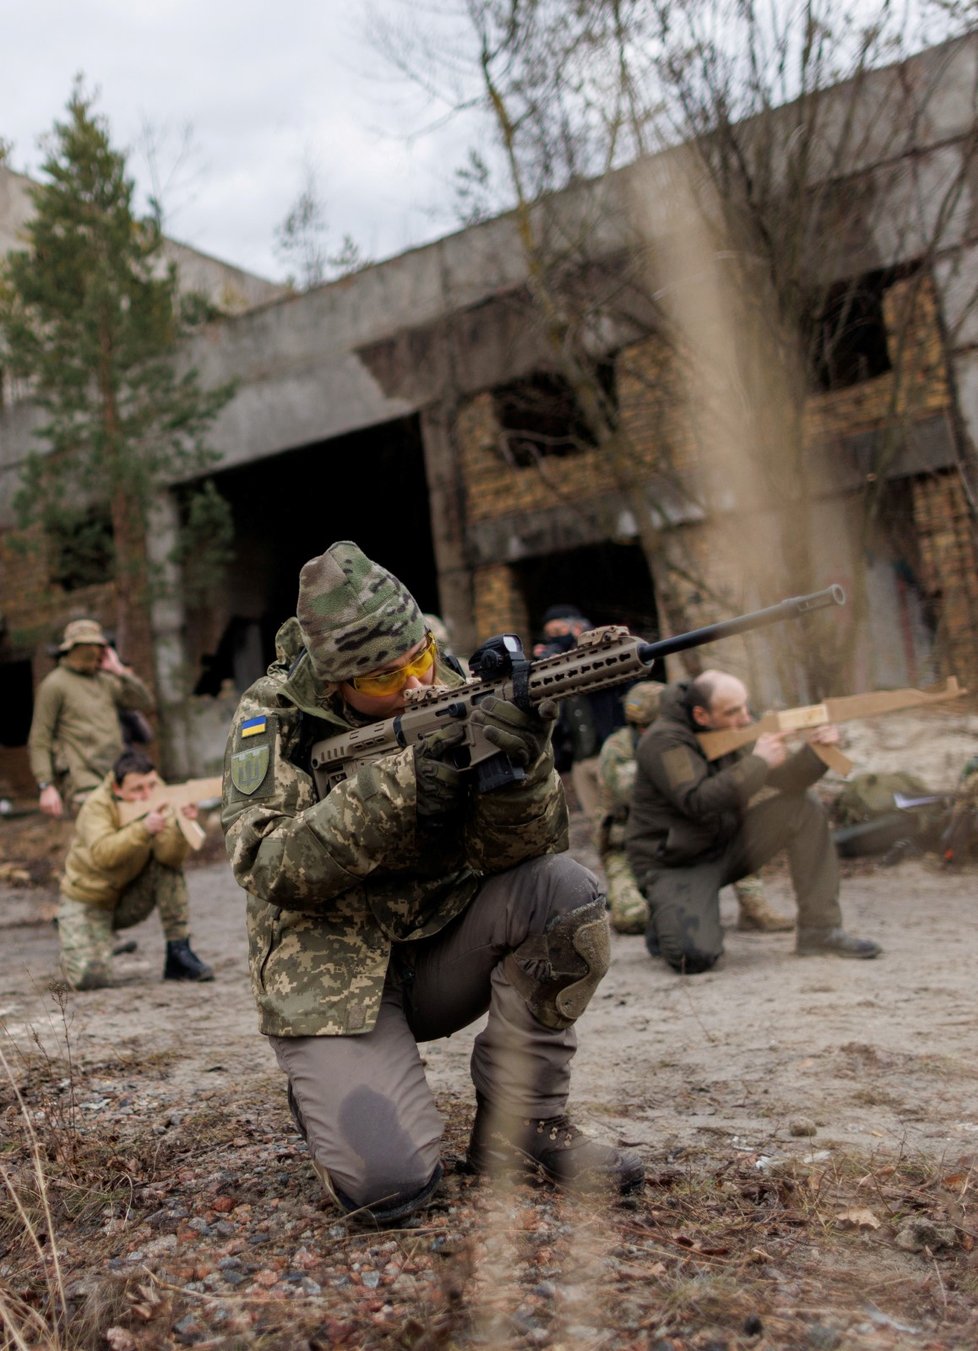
x=248 y=769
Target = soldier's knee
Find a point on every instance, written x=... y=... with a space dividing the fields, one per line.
x=566 y=884
x=381 y=1201
x=688 y=959
x=382 y=1188
x=694 y=962
x=686 y=943
x=388 y=1174
x=557 y=971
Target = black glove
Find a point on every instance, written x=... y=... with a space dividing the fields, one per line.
x=439 y=785
x=522 y=737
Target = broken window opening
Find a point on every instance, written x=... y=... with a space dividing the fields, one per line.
x=848 y=340
x=540 y=415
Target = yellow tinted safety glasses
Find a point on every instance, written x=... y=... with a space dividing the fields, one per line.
x=389 y=682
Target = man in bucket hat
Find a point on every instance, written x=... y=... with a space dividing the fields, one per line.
x=75 y=736
x=404 y=905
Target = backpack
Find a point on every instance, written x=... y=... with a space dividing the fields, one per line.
x=868 y=796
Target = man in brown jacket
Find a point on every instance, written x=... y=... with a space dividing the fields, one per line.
x=115 y=875
x=75 y=735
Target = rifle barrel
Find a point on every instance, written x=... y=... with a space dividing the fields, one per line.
x=792 y=608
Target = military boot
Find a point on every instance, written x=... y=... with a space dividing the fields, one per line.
x=502 y=1144
x=182 y=963
x=96 y=976
x=756 y=916
x=834 y=943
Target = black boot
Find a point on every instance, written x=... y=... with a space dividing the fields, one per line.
x=182 y=963
x=501 y=1143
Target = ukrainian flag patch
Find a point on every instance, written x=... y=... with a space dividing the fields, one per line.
x=253 y=726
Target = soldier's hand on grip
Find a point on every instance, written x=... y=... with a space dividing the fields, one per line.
x=439 y=783
x=522 y=737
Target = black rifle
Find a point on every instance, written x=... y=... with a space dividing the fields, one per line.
x=604 y=656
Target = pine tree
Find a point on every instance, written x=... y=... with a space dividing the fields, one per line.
x=90 y=314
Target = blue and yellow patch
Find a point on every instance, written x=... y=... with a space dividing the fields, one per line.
x=249 y=767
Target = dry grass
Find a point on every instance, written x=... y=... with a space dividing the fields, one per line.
x=213 y=1231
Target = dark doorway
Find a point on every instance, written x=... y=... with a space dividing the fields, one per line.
x=17 y=705
x=369 y=486
x=610 y=583
x=16 y=711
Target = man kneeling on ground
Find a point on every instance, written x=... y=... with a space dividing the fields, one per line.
x=404 y=904
x=115 y=875
x=692 y=828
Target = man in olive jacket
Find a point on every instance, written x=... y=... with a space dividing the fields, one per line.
x=693 y=829
x=404 y=905
x=75 y=735
x=115 y=875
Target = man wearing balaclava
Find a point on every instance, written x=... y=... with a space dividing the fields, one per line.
x=404 y=905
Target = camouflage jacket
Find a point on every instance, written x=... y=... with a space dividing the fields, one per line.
x=332 y=884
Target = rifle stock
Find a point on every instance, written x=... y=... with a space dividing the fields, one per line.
x=603 y=657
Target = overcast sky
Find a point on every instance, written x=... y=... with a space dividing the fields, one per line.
x=265 y=88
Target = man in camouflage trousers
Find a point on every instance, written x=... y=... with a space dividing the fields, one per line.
x=616 y=769
x=404 y=905
x=115 y=875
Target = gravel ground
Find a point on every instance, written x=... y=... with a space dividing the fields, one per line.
x=809 y=1129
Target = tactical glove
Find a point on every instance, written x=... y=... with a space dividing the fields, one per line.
x=522 y=737
x=439 y=785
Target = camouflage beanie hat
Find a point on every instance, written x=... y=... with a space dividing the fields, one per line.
x=353 y=614
x=641 y=703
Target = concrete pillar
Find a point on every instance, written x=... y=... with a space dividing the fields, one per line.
x=447 y=507
x=167 y=621
x=956 y=278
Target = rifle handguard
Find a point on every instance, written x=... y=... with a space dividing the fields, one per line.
x=603 y=657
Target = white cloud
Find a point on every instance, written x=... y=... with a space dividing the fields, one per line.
x=266 y=88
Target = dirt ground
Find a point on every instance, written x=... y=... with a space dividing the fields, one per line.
x=810 y=1129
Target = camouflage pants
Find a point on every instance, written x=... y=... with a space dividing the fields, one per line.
x=364 y=1103
x=629 y=908
x=684 y=902
x=86 y=931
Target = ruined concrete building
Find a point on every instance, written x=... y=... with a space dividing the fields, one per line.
x=424 y=408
